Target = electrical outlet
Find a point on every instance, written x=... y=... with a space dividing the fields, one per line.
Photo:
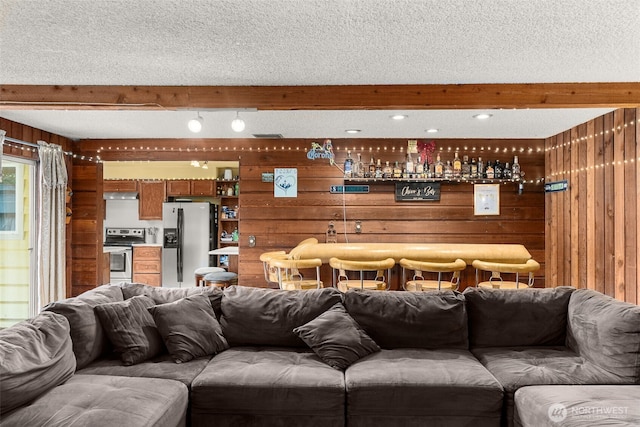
x=358 y=227
x=252 y=241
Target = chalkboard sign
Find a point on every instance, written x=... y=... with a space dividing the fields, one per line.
x=417 y=191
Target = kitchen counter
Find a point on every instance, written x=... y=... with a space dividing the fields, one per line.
x=148 y=244
x=114 y=249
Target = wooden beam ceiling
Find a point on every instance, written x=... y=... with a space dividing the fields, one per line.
x=364 y=97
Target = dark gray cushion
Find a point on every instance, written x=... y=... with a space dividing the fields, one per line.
x=267 y=386
x=410 y=319
x=165 y=295
x=87 y=334
x=256 y=316
x=105 y=401
x=36 y=355
x=528 y=317
x=606 y=332
x=189 y=328
x=578 y=406
x=420 y=387
x=336 y=338
x=131 y=329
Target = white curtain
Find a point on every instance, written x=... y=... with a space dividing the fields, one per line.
x=51 y=259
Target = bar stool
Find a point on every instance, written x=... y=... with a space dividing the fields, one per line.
x=291 y=278
x=496 y=268
x=203 y=271
x=221 y=279
x=271 y=273
x=379 y=282
x=419 y=283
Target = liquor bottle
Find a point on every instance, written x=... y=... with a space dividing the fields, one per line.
x=489 y=173
x=387 y=171
x=457 y=166
x=466 y=167
x=506 y=172
x=439 y=168
x=397 y=170
x=372 y=168
x=348 y=166
x=474 y=168
x=515 y=169
x=481 y=171
x=419 y=168
x=497 y=170
x=409 y=166
x=378 y=172
x=448 y=170
x=358 y=167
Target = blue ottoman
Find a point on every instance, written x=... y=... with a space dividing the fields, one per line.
x=221 y=279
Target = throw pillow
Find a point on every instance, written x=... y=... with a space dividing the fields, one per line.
x=189 y=328
x=131 y=329
x=337 y=338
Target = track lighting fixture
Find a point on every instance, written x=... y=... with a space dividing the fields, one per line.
x=195 y=125
x=237 y=124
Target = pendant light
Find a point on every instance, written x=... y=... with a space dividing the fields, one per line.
x=195 y=125
x=237 y=124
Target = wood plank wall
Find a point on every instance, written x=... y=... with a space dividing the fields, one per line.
x=280 y=223
x=591 y=229
x=33 y=135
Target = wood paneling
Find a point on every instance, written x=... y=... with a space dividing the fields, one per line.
x=343 y=97
x=597 y=240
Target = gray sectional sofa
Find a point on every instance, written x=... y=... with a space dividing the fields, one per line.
x=260 y=357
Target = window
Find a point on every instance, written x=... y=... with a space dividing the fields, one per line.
x=12 y=200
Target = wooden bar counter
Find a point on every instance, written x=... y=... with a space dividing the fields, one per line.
x=440 y=252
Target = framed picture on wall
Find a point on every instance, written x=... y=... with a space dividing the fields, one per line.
x=486 y=199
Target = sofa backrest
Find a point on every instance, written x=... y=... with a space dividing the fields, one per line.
x=606 y=332
x=428 y=320
x=527 y=317
x=267 y=317
x=35 y=356
x=161 y=295
x=89 y=339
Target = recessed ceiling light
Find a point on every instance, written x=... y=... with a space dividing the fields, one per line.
x=399 y=116
x=353 y=131
x=482 y=116
x=433 y=130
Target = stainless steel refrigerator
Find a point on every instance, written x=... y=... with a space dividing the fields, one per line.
x=188 y=236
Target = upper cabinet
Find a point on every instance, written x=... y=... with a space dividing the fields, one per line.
x=120 y=186
x=152 y=195
x=186 y=187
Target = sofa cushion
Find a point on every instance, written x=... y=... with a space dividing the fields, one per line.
x=97 y=400
x=189 y=328
x=161 y=366
x=262 y=386
x=87 y=334
x=530 y=317
x=421 y=387
x=606 y=332
x=131 y=329
x=36 y=355
x=165 y=295
x=578 y=406
x=336 y=338
x=430 y=320
x=256 y=316
x=516 y=367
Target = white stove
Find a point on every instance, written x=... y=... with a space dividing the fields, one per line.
x=119 y=244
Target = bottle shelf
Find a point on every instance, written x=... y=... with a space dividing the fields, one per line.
x=447 y=180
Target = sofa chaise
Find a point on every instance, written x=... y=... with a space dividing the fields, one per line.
x=132 y=354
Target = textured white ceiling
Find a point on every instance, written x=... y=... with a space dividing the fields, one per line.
x=321 y=42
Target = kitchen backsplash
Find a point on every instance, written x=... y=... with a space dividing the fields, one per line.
x=124 y=213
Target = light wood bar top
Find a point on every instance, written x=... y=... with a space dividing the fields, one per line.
x=439 y=252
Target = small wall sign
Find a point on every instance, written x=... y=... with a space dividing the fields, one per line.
x=267 y=176
x=552 y=187
x=417 y=191
x=286 y=182
x=486 y=199
x=349 y=189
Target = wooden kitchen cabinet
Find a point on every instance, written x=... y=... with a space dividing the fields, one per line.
x=120 y=186
x=147 y=265
x=152 y=195
x=187 y=187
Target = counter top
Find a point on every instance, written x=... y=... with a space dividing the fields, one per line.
x=147 y=244
x=438 y=252
x=114 y=249
x=228 y=250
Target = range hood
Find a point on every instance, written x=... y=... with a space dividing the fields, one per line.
x=120 y=196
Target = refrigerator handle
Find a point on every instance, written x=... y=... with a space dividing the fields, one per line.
x=180 y=243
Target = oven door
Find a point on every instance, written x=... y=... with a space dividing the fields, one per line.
x=121 y=264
